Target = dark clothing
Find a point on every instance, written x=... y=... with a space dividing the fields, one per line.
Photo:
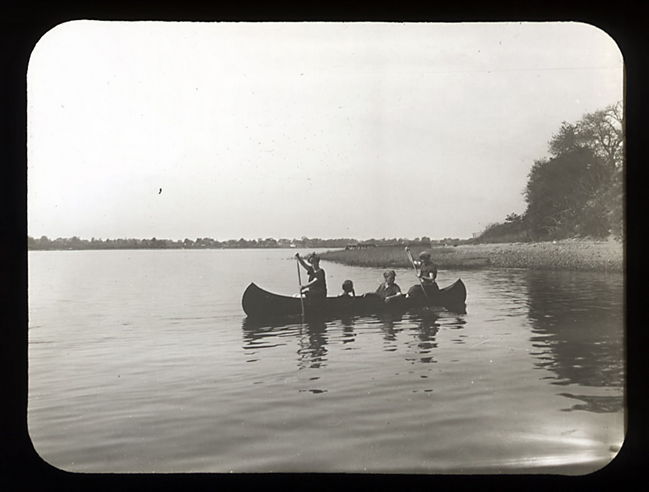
x=384 y=290
x=426 y=270
x=318 y=289
x=416 y=290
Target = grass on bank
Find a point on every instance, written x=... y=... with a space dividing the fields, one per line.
x=395 y=257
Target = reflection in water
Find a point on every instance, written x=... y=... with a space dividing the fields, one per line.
x=424 y=327
x=388 y=322
x=311 y=338
x=456 y=323
x=427 y=328
x=578 y=332
x=312 y=351
x=257 y=334
x=262 y=335
x=348 y=329
x=597 y=404
x=425 y=333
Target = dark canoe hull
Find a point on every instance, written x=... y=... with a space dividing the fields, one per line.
x=260 y=304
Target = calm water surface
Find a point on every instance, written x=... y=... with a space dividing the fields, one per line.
x=143 y=361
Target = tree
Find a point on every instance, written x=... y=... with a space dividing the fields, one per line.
x=514 y=218
x=600 y=131
x=564 y=196
x=603 y=133
x=579 y=189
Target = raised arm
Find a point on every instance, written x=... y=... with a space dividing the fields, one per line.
x=304 y=264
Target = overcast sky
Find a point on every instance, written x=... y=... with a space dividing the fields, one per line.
x=299 y=129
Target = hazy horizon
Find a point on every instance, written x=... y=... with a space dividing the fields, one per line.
x=332 y=130
x=224 y=239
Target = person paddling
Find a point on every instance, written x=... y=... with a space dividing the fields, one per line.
x=316 y=287
x=427 y=273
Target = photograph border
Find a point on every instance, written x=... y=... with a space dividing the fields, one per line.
x=21 y=29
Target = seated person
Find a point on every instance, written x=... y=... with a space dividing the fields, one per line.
x=348 y=289
x=389 y=290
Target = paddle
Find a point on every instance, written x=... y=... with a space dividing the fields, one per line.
x=421 y=282
x=299 y=281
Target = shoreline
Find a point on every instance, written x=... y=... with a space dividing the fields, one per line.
x=567 y=254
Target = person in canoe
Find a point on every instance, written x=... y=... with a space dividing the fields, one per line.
x=348 y=289
x=427 y=273
x=389 y=290
x=316 y=287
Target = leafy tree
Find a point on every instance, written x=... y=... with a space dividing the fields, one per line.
x=514 y=218
x=600 y=131
x=579 y=189
x=603 y=133
x=563 y=196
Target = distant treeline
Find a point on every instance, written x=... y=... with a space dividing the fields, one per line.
x=578 y=190
x=74 y=243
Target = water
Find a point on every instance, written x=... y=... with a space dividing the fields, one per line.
x=143 y=361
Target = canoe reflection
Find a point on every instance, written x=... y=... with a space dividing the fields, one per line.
x=311 y=338
x=424 y=340
x=413 y=333
x=390 y=326
x=349 y=335
x=312 y=345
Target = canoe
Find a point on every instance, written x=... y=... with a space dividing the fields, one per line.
x=261 y=304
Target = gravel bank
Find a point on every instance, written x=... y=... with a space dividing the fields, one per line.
x=552 y=255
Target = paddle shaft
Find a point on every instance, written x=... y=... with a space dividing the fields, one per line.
x=299 y=281
x=421 y=282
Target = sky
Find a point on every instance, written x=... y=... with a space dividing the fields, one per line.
x=253 y=130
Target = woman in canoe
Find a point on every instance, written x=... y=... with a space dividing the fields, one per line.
x=316 y=287
x=427 y=273
x=389 y=290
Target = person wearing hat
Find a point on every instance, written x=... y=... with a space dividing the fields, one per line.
x=389 y=290
x=427 y=272
x=316 y=287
